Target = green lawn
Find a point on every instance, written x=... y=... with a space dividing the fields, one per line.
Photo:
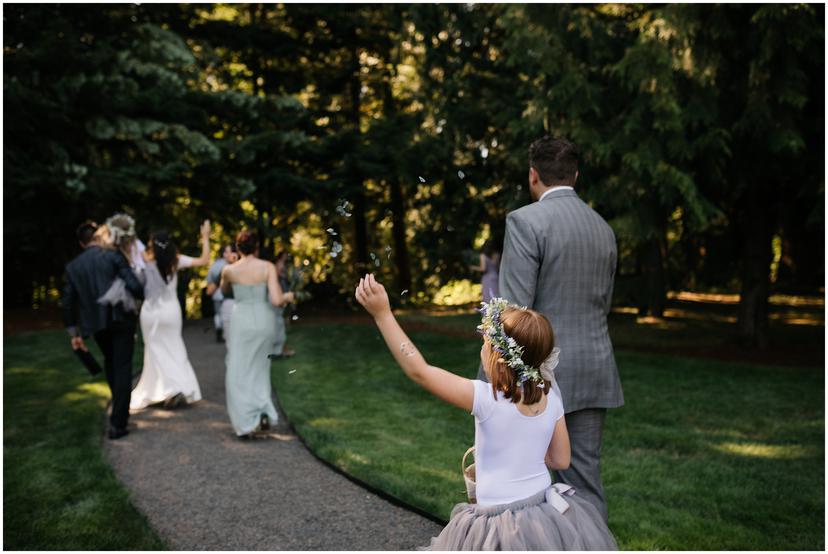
x=705 y=455
x=59 y=493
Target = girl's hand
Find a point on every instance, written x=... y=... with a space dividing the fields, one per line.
x=372 y=296
x=205 y=229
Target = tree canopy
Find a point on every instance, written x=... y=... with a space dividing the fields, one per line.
x=394 y=137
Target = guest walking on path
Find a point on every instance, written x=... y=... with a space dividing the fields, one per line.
x=228 y=256
x=167 y=376
x=489 y=267
x=280 y=348
x=88 y=277
x=253 y=331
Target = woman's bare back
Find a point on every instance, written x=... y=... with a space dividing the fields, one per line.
x=249 y=271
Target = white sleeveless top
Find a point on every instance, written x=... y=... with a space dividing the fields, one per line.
x=510 y=447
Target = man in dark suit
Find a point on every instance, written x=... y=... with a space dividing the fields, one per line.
x=88 y=277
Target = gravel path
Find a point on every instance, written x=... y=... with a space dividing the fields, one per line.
x=204 y=489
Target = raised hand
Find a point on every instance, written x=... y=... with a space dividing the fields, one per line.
x=372 y=296
x=205 y=229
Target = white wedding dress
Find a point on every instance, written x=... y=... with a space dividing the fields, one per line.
x=167 y=370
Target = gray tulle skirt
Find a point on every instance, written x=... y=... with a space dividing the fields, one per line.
x=529 y=524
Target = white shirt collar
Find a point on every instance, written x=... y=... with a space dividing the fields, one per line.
x=553 y=189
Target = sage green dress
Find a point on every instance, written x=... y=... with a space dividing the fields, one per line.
x=250 y=340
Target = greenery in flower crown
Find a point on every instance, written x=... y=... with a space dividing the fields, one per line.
x=121 y=226
x=506 y=346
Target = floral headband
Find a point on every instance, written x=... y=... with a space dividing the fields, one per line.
x=116 y=232
x=509 y=349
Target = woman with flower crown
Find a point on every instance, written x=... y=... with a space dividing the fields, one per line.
x=167 y=376
x=520 y=433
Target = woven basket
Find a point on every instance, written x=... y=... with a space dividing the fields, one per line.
x=469 y=476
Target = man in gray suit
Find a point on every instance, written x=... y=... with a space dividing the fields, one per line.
x=559 y=258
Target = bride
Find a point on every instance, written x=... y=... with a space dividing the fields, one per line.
x=167 y=376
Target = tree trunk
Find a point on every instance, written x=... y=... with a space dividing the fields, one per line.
x=753 y=301
x=399 y=232
x=654 y=279
x=398 y=210
x=360 y=204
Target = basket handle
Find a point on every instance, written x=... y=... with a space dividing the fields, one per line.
x=463 y=461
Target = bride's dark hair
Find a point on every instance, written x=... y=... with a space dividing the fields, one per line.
x=165 y=254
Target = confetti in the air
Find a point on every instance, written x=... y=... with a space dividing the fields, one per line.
x=461 y=174
x=422 y=179
x=291 y=372
x=403 y=293
x=342 y=208
x=295 y=317
x=331 y=231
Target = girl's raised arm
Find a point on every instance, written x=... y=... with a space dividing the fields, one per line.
x=443 y=384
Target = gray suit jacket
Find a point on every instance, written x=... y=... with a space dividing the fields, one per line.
x=559 y=258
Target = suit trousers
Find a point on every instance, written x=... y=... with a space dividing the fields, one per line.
x=585 y=429
x=117 y=342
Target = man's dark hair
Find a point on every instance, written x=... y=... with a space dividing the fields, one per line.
x=86 y=232
x=555 y=160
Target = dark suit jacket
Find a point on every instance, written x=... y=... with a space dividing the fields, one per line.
x=87 y=278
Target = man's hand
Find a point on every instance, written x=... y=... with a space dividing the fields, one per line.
x=372 y=296
x=77 y=343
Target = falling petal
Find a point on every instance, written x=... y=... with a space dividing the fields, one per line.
x=422 y=180
x=461 y=174
x=295 y=317
x=403 y=293
x=291 y=372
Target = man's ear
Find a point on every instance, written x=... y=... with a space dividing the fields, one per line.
x=576 y=176
x=533 y=176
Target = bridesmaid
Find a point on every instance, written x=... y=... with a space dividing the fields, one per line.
x=251 y=336
x=490 y=268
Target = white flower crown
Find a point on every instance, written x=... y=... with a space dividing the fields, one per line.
x=509 y=349
x=117 y=233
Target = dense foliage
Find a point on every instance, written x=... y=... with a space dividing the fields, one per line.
x=394 y=136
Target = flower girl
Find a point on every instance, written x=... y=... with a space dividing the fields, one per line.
x=520 y=431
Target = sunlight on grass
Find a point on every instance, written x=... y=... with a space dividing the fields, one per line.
x=83 y=392
x=775 y=299
x=660 y=323
x=326 y=423
x=774 y=452
x=358 y=458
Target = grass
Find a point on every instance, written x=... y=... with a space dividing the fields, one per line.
x=705 y=455
x=59 y=493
